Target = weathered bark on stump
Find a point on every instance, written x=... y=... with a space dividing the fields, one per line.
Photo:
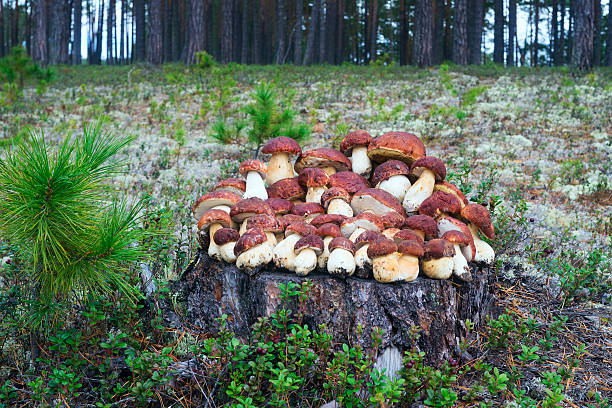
x=439 y=308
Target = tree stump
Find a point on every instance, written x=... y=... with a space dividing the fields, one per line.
x=440 y=308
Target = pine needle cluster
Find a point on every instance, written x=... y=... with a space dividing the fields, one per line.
x=58 y=207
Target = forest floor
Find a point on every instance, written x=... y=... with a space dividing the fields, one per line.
x=534 y=144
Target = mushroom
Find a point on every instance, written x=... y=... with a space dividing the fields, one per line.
x=221 y=200
x=315 y=180
x=211 y=221
x=283 y=254
x=351 y=182
x=255 y=173
x=280 y=206
x=450 y=188
x=362 y=260
x=402 y=146
x=330 y=160
x=392 y=220
x=336 y=201
x=341 y=262
x=307 y=249
x=234 y=185
x=327 y=232
x=385 y=260
x=353 y=227
x=288 y=189
x=461 y=268
x=375 y=201
x=410 y=252
x=226 y=238
x=479 y=219
x=428 y=170
x=423 y=225
x=392 y=177
x=355 y=144
x=269 y=224
x=390 y=233
x=250 y=251
x=447 y=223
x=407 y=235
x=280 y=167
x=327 y=219
x=247 y=208
x=437 y=261
x=308 y=210
x=440 y=203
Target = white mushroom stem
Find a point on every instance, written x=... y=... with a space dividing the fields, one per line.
x=484 y=252
x=313 y=195
x=358 y=231
x=409 y=267
x=227 y=252
x=362 y=260
x=305 y=262
x=225 y=208
x=325 y=254
x=279 y=168
x=255 y=186
x=283 y=254
x=243 y=227
x=420 y=190
x=461 y=269
x=254 y=257
x=213 y=248
x=360 y=161
x=397 y=186
x=329 y=170
x=341 y=263
x=440 y=268
x=339 y=206
x=386 y=268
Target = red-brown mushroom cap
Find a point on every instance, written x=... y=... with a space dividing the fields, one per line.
x=250 y=239
x=282 y=144
x=392 y=220
x=224 y=235
x=429 y=162
x=407 y=235
x=313 y=177
x=327 y=219
x=289 y=219
x=213 y=199
x=479 y=216
x=253 y=165
x=280 y=206
x=438 y=203
x=402 y=146
x=265 y=222
x=412 y=248
x=367 y=221
x=329 y=230
x=355 y=138
x=450 y=188
x=367 y=237
x=377 y=201
x=214 y=217
x=456 y=237
x=351 y=182
x=438 y=248
x=459 y=226
x=333 y=193
x=312 y=241
x=323 y=157
x=300 y=228
x=423 y=223
x=306 y=209
x=249 y=207
x=288 y=189
x=381 y=247
x=389 y=169
x=234 y=185
x=342 y=243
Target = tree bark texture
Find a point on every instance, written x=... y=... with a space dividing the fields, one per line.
x=39 y=45
x=403 y=32
x=460 y=37
x=139 y=16
x=438 y=43
x=195 y=37
x=155 y=43
x=498 y=49
x=582 y=50
x=244 y=46
x=227 y=31
x=60 y=27
x=609 y=37
x=279 y=32
x=511 y=32
x=312 y=26
x=297 y=40
x=597 y=34
x=423 y=38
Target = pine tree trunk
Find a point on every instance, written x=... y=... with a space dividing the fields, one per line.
x=155 y=42
x=256 y=57
x=39 y=46
x=460 y=43
x=448 y=33
x=166 y=30
x=340 y=33
x=176 y=31
x=423 y=37
x=536 y=41
x=76 y=44
x=373 y=32
x=28 y=26
x=281 y=22
x=195 y=36
x=582 y=50
x=58 y=42
x=597 y=34
x=2 y=27
x=297 y=40
x=402 y=32
x=474 y=30
x=554 y=29
x=236 y=27
x=570 y=33
x=609 y=37
x=322 y=26
x=511 y=32
x=110 y=39
x=227 y=32
x=438 y=44
x=139 y=14
x=498 y=50
x=312 y=27
x=330 y=31
x=561 y=40
x=244 y=49
x=15 y=26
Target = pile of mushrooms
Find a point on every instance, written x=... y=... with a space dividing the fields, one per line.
x=377 y=207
